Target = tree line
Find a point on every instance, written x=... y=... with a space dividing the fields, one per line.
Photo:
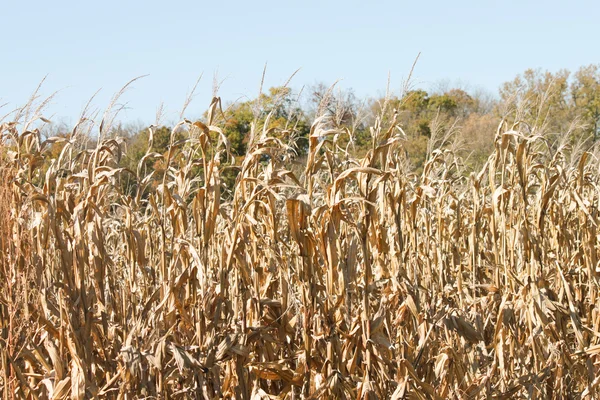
x=562 y=106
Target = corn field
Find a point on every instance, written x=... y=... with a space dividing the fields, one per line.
x=317 y=277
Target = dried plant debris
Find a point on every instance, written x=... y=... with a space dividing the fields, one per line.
x=317 y=277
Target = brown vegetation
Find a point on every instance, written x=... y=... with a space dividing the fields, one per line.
x=354 y=278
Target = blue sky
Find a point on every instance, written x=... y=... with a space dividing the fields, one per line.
x=84 y=46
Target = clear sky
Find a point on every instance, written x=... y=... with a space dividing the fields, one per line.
x=88 y=45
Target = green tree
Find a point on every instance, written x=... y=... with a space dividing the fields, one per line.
x=539 y=99
x=442 y=103
x=465 y=103
x=585 y=91
x=277 y=110
x=415 y=101
x=137 y=146
x=346 y=112
x=237 y=127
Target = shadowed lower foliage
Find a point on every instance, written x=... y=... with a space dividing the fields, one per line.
x=331 y=277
